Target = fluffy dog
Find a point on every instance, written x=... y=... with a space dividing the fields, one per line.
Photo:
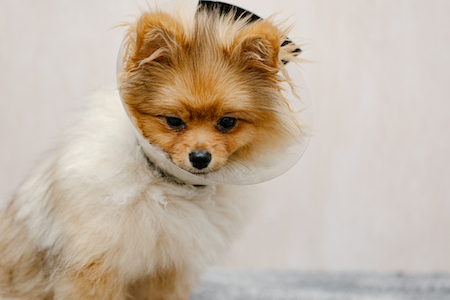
x=98 y=219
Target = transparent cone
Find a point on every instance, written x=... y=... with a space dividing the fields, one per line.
x=259 y=169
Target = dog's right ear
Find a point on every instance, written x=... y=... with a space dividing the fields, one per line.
x=158 y=37
x=258 y=46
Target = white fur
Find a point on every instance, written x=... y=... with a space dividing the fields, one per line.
x=96 y=197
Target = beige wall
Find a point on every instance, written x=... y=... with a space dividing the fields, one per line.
x=373 y=189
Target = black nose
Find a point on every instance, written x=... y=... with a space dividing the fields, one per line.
x=200 y=159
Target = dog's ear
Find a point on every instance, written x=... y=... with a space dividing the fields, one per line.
x=258 y=46
x=158 y=37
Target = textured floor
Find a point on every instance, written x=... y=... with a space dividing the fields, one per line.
x=290 y=285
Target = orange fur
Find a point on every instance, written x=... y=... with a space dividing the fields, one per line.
x=166 y=285
x=200 y=72
x=91 y=283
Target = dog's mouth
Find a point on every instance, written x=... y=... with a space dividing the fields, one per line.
x=199 y=172
x=203 y=171
x=198 y=162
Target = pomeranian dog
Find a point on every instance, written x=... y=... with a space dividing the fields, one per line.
x=98 y=219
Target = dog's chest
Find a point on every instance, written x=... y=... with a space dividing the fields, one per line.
x=166 y=227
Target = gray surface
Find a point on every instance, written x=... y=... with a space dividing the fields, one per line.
x=289 y=285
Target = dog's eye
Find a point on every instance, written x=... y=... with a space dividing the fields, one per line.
x=227 y=123
x=175 y=122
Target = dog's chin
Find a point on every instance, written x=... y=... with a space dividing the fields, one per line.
x=199 y=172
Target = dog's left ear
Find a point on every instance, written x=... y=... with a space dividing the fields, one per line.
x=258 y=46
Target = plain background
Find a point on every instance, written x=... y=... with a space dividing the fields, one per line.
x=372 y=191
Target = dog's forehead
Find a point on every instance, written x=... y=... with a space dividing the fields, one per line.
x=208 y=92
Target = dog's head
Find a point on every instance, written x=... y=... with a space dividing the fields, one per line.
x=206 y=89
